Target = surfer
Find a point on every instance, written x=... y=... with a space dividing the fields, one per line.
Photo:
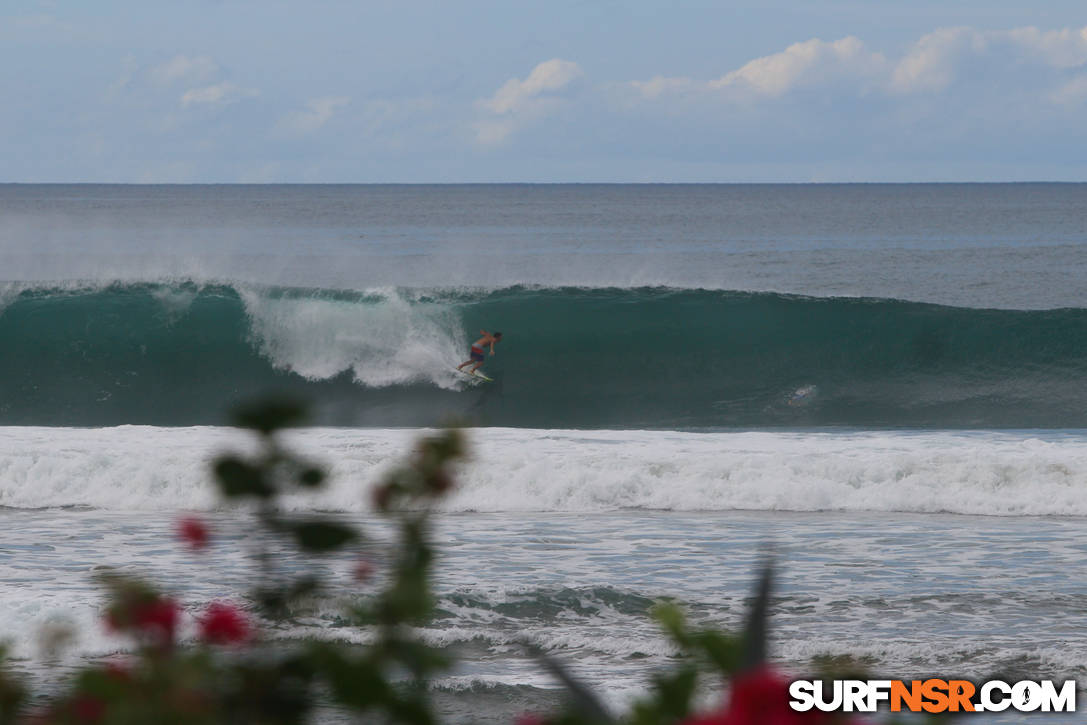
x=477 y=350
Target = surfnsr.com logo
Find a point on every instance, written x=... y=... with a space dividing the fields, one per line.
x=932 y=695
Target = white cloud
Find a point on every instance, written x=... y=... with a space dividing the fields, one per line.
x=199 y=77
x=183 y=68
x=520 y=101
x=549 y=76
x=658 y=85
x=1072 y=93
x=810 y=63
x=1065 y=48
x=400 y=124
x=931 y=64
x=225 y=92
x=1027 y=59
x=317 y=114
x=937 y=60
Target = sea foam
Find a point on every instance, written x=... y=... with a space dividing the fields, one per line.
x=140 y=468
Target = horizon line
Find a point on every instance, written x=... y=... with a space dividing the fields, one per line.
x=535 y=183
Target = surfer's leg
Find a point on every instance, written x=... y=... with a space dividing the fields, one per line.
x=476 y=358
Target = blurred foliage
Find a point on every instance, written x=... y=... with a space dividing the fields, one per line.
x=230 y=674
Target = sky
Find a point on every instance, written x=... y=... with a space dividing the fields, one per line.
x=417 y=91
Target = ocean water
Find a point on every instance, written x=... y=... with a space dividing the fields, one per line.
x=882 y=385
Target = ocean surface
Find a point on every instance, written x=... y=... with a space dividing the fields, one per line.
x=883 y=385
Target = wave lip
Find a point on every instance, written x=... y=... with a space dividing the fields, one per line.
x=178 y=353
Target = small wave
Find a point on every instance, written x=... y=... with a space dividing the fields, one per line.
x=547 y=605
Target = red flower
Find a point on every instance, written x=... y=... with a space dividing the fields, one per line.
x=193 y=532
x=118 y=672
x=152 y=617
x=382 y=496
x=224 y=624
x=762 y=696
x=157 y=618
x=759 y=697
x=440 y=482
x=88 y=708
x=364 y=569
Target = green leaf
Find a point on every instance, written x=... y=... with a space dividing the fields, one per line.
x=671 y=619
x=303 y=587
x=417 y=658
x=675 y=693
x=238 y=478
x=276 y=600
x=723 y=650
x=583 y=699
x=755 y=628
x=270 y=415
x=321 y=536
x=12 y=692
x=311 y=477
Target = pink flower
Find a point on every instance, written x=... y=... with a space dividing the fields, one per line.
x=193 y=532
x=224 y=624
x=759 y=697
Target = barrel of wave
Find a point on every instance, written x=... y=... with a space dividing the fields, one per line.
x=384 y=337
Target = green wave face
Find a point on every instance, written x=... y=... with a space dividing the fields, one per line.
x=181 y=354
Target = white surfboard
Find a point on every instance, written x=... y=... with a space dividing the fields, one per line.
x=477 y=375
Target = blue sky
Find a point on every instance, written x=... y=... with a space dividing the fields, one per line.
x=567 y=90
